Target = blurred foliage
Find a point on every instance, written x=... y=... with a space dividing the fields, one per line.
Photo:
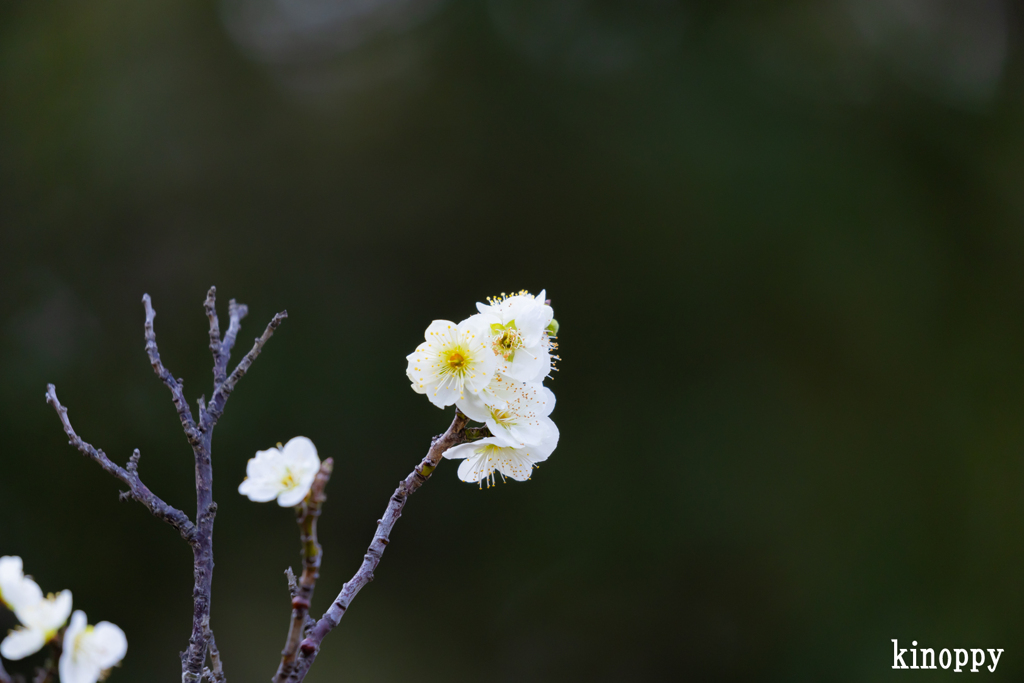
x=784 y=242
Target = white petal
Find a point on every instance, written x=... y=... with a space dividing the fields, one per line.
x=439 y=330
x=16 y=589
x=474 y=469
x=462 y=450
x=542 y=451
x=79 y=670
x=22 y=642
x=478 y=327
x=108 y=644
x=531 y=316
x=61 y=609
x=443 y=396
x=482 y=373
x=473 y=406
x=48 y=615
x=266 y=465
x=10 y=565
x=260 y=490
x=547 y=400
x=513 y=462
x=22 y=594
x=292 y=497
x=544 y=368
x=299 y=448
x=532 y=433
x=77 y=625
x=303 y=484
x=527 y=364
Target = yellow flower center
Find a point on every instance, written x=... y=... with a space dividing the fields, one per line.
x=456 y=360
x=502 y=417
x=506 y=340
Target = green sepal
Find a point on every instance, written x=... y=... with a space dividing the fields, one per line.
x=498 y=328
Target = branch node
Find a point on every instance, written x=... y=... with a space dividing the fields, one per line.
x=293 y=586
x=133 y=462
x=332 y=617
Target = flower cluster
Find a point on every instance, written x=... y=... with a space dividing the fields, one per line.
x=492 y=366
x=285 y=473
x=86 y=651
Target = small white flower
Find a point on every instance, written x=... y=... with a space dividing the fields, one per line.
x=90 y=650
x=286 y=473
x=518 y=327
x=454 y=359
x=484 y=457
x=16 y=589
x=40 y=622
x=515 y=412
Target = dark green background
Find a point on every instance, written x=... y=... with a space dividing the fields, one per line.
x=785 y=242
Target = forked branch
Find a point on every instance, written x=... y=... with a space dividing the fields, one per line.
x=310 y=645
x=223 y=389
x=175 y=385
x=130 y=476
x=312 y=553
x=200 y=533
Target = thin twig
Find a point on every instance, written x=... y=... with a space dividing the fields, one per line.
x=130 y=476
x=221 y=393
x=210 y=306
x=293 y=583
x=221 y=349
x=4 y=676
x=236 y=312
x=216 y=671
x=49 y=671
x=312 y=554
x=177 y=391
x=310 y=645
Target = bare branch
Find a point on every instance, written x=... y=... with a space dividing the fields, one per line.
x=221 y=348
x=293 y=583
x=310 y=645
x=210 y=305
x=223 y=390
x=49 y=671
x=216 y=671
x=177 y=391
x=312 y=554
x=200 y=534
x=236 y=312
x=130 y=476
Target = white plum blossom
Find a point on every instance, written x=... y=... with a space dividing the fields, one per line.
x=90 y=650
x=480 y=459
x=285 y=473
x=492 y=366
x=454 y=360
x=40 y=622
x=16 y=589
x=519 y=326
x=515 y=412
